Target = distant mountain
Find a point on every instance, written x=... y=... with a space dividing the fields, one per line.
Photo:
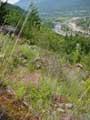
x=23 y=4
x=57 y=8
x=12 y=7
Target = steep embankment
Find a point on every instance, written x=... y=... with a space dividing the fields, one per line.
x=37 y=84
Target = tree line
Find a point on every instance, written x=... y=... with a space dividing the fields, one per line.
x=15 y=16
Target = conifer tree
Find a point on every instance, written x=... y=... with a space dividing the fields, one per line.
x=3 y=12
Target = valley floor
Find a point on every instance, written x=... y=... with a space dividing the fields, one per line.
x=72 y=26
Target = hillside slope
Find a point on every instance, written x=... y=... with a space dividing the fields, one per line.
x=35 y=84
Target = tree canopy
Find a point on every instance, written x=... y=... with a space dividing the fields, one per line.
x=3 y=12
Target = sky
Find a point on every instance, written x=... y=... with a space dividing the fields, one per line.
x=11 y=1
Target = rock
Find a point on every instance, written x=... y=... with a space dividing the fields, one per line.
x=59 y=99
x=66 y=116
x=69 y=106
x=25 y=104
x=60 y=110
x=3 y=113
x=79 y=66
x=61 y=105
x=10 y=91
x=36 y=118
x=74 y=73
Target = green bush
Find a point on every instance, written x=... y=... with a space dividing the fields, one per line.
x=40 y=96
x=29 y=52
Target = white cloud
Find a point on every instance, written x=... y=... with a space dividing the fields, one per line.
x=11 y=1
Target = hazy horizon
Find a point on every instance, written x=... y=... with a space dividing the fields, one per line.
x=58 y=8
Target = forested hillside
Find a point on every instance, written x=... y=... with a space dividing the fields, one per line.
x=43 y=75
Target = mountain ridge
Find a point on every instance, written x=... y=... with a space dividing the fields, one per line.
x=58 y=8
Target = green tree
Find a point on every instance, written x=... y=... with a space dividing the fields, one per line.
x=34 y=18
x=76 y=55
x=33 y=22
x=3 y=12
x=14 y=16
